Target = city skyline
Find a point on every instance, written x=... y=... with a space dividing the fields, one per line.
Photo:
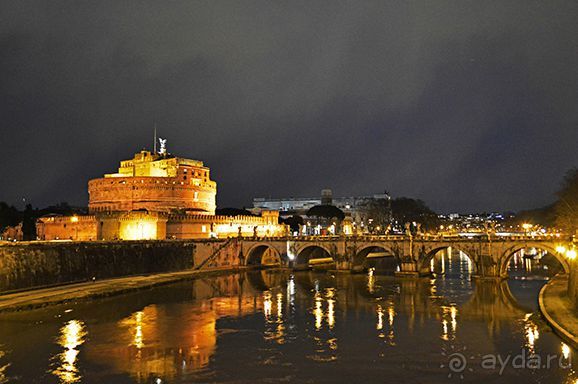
x=469 y=107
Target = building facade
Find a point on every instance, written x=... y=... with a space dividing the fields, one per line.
x=155 y=196
x=155 y=182
x=364 y=214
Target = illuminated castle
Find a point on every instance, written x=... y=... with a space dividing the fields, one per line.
x=155 y=182
x=155 y=196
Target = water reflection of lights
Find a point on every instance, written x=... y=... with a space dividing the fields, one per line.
x=449 y=326
x=275 y=328
x=390 y=316
x=379 y=326
x=532 y=333
x=443 y=265
x=267 y=304
x=453 y=315
x=371 y=280
x=279 y=306
x=390 y=321
x=138 y=335
x=291 y=286
x=72 y=335
x=330 y=311
x=3 y=369
x=565 y=351
x=318 y=311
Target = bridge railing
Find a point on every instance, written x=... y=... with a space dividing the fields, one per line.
x=421 y=237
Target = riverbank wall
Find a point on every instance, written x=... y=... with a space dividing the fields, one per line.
x=559 y=310
x=42 y=264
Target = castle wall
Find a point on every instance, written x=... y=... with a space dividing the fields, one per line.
x=35 y=264
x=206 y=226
x=143 y=225
x=152 y=193
x=79 y=228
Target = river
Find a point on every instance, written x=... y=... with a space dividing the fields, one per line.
x=278 y=326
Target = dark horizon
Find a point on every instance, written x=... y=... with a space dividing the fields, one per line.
x=468 y=106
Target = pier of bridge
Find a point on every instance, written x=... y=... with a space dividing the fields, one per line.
x=489 y=255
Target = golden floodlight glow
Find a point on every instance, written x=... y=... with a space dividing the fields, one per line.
x=561 y=249
x=139 y=230
x=571 y=254
x=74 y=219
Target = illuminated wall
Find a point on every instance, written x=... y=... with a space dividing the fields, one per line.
x=156 y=183
x=78 y=228
x=135 y=225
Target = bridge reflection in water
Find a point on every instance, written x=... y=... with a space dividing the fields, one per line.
x=279 y=325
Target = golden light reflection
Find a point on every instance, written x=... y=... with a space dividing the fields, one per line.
x=380 y=314
x=279 y=306
x=565 y=351
x=370 y=280
x=330 y=308
x=390 y=316
x=291 y=288
x=3 y=369
x=267 y=304
x=72 y=335
x=443 y=264
x=138 y=335
x=453 y=315
x=390 y=321
x=318 y=311
x=532 y=333
x=445 y=334
x=449 y=322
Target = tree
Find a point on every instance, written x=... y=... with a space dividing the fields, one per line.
x=377 y=214
x=407 y=210
x=567 y=205
x=294 y=222
x=9 y=216
x=29 y=217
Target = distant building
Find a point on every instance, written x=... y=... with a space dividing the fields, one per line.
x=367 y=214
x=12 y=233
x=155 y=196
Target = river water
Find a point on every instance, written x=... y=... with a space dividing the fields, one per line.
x=278 y=326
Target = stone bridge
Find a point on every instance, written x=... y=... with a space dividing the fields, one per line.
x=489 y=255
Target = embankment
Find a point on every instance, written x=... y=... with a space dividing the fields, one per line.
x=42 y=264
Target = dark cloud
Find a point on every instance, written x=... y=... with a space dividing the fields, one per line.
x=469 y=105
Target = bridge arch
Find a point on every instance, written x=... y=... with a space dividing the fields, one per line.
x=427 y=257
x=375 y=254
x=310 y=252
x=509 y=253
x=263 y=255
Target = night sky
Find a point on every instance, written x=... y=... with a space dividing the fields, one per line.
x=469 y=105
